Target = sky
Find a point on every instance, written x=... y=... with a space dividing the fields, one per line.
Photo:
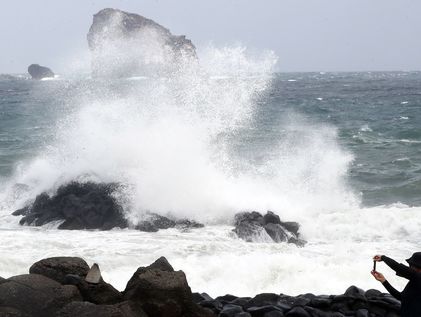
x=306 y=35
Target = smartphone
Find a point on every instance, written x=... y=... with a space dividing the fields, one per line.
x=374 y=266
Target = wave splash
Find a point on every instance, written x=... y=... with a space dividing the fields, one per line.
x=170 y=140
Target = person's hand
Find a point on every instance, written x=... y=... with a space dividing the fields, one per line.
x=378 y=276
x=377 y=258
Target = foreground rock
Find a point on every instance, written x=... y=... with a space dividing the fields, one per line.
x=125 y=44
x=158 y=290
x=354 y=302
x=57 y=268
x=163 y=292
x=254 y=227
x=35 y=295
x=39 y=72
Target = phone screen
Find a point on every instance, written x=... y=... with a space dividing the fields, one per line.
x=374 y=265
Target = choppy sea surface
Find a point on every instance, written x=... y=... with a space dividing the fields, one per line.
x=338 y=152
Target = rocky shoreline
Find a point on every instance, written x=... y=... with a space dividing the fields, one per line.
x=67 y=287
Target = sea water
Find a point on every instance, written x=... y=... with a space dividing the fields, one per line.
x=337 y=152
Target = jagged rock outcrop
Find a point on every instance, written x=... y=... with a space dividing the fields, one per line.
x=252 y=227
x=80 y=205
x=125 y=44
x=91 y=206
x=39 y=72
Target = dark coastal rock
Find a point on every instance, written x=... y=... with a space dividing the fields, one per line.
x=12 y=312
x=86 y=309
x=125 y=44
x=36 y=295
x=161 y=264
x=91 y=206
x=261 y=311
x=155 y=222
x=198 y=297
x=230 y=310
x=252 y=226
x=266 y=299
x=57 y=268
x=94 y=289
x=157 y=290
x=39 y=72
x=163 y=292
x=80 y=205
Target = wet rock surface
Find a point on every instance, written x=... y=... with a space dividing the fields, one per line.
x=158 y=290
x=255 y=227
x=91 y=206
x=80 y=205
x=57 y=268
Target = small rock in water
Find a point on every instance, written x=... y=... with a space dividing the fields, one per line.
x=39 y=72
x=253 y=227
x=94 y=275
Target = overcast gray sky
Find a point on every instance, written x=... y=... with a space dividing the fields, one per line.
x=307 y=35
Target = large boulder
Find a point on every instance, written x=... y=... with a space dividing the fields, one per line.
x=36 y=295
x=162 y=292
x=252 y=227
x=126 y=44
x=39 y=72
x=57 y=268
x=80 y=205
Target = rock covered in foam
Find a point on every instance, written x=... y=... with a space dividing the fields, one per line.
x=80 y=205
x=126 y=44
x=252 y=226
x=91 y=206
x=39 y=72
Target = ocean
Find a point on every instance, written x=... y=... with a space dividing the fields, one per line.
x=337 y=152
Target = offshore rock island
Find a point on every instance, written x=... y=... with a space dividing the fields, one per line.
x=125 y=44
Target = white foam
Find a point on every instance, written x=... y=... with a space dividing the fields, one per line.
x=339 y=253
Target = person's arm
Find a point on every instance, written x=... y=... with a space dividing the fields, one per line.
x=399 y=268
x=393 y=291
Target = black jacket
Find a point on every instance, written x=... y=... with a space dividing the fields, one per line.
x=411 y=295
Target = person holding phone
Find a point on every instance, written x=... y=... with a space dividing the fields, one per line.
x=410 y=297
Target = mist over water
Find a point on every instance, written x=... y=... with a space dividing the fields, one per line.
x=331 y=151
x=170 y=140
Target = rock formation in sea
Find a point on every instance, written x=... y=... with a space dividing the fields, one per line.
x=91 y=206
x=253 y=226
x=59 y=287
x=39 y=72
x=125 y=44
